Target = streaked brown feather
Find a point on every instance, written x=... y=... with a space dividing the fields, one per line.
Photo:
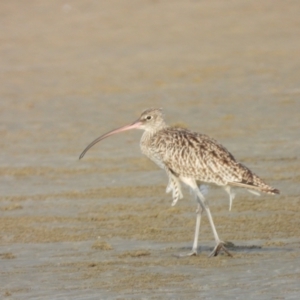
x=194 y=155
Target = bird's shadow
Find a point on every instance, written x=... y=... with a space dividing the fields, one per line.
x=239 y=248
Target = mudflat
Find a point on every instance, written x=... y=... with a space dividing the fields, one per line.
x=103 y=227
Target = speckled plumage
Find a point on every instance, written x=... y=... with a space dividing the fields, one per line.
x=194 y=155
x=191 y=158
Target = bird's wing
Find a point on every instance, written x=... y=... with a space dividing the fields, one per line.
x=195 y=155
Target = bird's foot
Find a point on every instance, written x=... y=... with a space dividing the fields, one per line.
x=220 y=246
x=192 y=253
x=174 y=201
x=176 y=198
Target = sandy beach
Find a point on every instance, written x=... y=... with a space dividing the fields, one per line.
x=103 y=227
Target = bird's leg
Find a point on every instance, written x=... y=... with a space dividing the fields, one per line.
x=194 y=251
x=174 y=186
x=169 y=187
x=199 y=212
x=170 y=183
x=176 y=191
x=201 y=200
x=231 y=195
x=219 y=244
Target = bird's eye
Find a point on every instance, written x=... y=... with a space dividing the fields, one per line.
x=148 y=117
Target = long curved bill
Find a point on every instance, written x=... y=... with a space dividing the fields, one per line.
x=134 y=125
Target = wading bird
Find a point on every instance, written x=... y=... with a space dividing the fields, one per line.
x=191 y=158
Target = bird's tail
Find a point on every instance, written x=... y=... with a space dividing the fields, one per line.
x=253 y=182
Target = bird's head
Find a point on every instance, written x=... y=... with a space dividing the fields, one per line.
x=151 y=120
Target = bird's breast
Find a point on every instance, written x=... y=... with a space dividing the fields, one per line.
x=149 y=149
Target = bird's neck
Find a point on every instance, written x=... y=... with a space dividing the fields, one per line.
x=147 y=137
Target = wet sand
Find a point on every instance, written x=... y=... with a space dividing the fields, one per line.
x=103 y=227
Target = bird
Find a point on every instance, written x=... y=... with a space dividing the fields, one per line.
x=194 y=159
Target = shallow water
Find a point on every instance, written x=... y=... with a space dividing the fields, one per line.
x=103 y=227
